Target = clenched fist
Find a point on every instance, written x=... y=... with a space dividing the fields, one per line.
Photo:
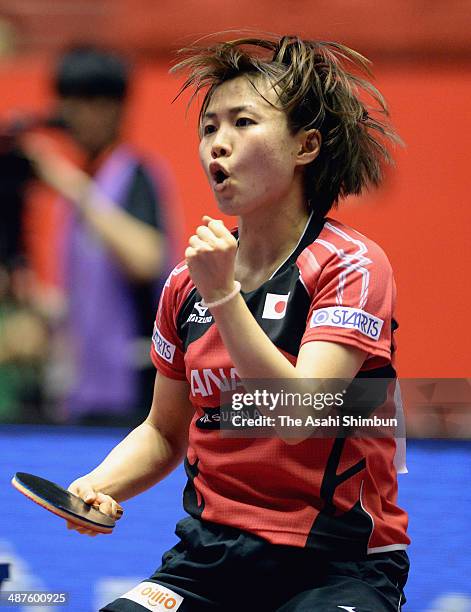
x=210 y=257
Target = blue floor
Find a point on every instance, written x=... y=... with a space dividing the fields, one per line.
x=44 y=555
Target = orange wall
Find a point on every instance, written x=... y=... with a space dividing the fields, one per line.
x=420 y=217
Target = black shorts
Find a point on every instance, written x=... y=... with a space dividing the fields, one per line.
x=214 y=567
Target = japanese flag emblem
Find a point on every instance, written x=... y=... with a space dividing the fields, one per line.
x=275 y=306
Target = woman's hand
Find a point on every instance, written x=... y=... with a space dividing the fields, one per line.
x=83 y=488
x=210 y=257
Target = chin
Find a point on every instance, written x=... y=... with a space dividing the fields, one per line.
x=228 y=206
x=235 y=206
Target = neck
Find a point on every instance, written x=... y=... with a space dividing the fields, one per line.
x=266 y=238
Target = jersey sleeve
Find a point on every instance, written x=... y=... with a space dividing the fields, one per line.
x=353 y=302
x=166 y=348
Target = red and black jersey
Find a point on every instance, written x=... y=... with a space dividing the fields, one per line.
x=335 y=495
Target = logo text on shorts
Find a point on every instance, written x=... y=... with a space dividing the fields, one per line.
x=153 y=596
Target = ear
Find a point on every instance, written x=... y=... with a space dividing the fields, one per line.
x=309 y=146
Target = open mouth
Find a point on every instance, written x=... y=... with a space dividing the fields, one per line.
x=220 y=176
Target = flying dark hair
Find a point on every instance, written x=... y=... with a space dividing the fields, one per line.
x=317 y=88
x=88 y=72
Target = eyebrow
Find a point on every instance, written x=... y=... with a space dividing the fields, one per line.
x=232 y=111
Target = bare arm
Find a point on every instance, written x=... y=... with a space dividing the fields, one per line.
x=146 y=455
x=322 y=367
x=138 y=246
x=255 y=356
x=210 y=258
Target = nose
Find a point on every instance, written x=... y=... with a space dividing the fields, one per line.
x=221 y=146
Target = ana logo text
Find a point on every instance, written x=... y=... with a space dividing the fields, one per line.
x=208 y=381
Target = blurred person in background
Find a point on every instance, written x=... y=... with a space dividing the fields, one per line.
x=24 y=334
x=115 y=243
x=23 y=349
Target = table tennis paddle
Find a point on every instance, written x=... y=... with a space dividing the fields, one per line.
x=63 y=503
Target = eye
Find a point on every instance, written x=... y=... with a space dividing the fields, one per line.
x=244 y=122
x=209 y=128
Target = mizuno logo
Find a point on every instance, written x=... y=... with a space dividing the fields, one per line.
x=348 y=608
x=201 y=309
x=201 y=316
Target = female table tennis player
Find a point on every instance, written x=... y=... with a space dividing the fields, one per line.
x=274 y=523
